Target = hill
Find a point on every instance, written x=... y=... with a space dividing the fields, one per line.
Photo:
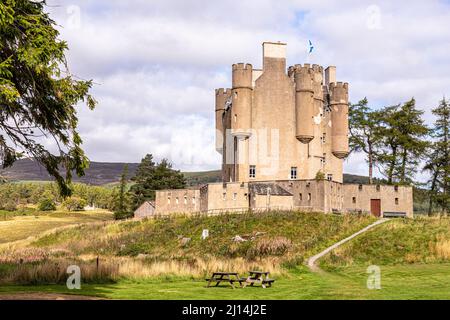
x=100 y=173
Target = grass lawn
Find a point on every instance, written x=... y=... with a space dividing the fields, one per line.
x=21 y=227
x=430 y=281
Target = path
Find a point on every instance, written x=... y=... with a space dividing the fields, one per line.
x=43 y=296
x=312 y=261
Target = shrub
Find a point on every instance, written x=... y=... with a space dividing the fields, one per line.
x=11 y=205
x=74 y=204
x=47 y=205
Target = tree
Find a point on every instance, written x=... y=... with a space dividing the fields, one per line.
x=46 y=204
x=402 y=132
x=150 y=177
x=38 y=94
x=122 y=207
x=363 y=132
x=438 y=162
x=74 y=204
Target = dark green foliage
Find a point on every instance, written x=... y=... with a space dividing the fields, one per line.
x=47 y=204
x=151 y=177
x=122 y=209
x=438 y=160
x=403 y=136
x=363 y=123
x=38 y=94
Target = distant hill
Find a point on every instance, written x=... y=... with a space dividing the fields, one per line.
x=100 y=173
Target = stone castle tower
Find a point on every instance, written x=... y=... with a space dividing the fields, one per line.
x=278 y=125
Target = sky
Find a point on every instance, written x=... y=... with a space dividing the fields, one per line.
x=156 y=63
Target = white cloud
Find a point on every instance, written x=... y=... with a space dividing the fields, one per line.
x=158 y=62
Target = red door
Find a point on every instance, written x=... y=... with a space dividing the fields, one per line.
x=375 y=207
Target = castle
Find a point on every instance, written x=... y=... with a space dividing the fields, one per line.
x=283 y=137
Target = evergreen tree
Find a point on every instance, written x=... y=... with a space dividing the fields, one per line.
x=403 y=134
x=38 y=94
x=363 y=123
x=121 y=210
x=151 y=177
x=438 y=163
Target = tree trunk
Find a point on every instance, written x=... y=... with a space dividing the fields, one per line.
x=392 y=165
x=403 y=167
x=432 y=190
x=370 y=163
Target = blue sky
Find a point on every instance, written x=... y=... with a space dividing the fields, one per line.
x=156 y=63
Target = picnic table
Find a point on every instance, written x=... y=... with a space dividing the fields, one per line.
x=230 y=277
x=261 y=277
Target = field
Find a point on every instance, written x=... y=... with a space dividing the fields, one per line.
x=20 y=226
x=151 y=259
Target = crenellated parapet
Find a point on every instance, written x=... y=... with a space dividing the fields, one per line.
x=242 y=75
x=338 y=93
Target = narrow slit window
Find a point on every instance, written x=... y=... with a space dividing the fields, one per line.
x=396 y=200
x=294 y=173
x=252 y=172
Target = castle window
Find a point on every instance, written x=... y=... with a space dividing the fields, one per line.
x=185 y=199
x=224 y=196
x=360 y=187
x=309 y=196
x=378 y=187
x=234 y=196
x=252 y=172
x=235 y=118
x=300 y=196
x=396 y=188
x=168 y=200
x=324 y=138
x=176 y=200
x=330 y=177
x=396 y=200
x=354 y=199
x=323 y=160
x=294 y=173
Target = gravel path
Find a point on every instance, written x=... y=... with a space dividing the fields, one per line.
x=312 y=261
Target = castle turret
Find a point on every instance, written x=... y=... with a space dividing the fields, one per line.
x=242 y=100
x=304 y=103
x=339 y=119
x=222 y=96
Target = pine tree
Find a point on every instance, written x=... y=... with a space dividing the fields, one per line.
x=438 y=163
x=38 y=94
x=363 y=132
x=121 y=210
x=151 y=177
x=403 y=134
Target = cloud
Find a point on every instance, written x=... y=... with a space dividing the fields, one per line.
x=157 y=63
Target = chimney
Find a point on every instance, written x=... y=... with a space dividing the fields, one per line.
x=274 y=56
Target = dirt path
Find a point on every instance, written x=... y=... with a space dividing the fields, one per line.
x=44 y=296
x=312 y=261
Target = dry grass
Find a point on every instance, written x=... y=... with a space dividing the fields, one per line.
x=442 y=248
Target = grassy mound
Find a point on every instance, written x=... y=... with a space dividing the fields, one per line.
x=266 y=234
x=425 y=240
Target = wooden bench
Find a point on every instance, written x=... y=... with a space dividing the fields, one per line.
x=394 y=214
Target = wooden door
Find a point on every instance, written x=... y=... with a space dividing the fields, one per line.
x=375 y=207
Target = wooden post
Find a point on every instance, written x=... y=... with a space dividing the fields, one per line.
x=97 y=264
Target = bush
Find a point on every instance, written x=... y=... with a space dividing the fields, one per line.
x=11 y=205
x=74 y=204
x=47 y=205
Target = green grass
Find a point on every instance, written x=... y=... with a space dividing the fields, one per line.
x=33 y=223
x=397 y=282
x=307 y=232
x=400 y=241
